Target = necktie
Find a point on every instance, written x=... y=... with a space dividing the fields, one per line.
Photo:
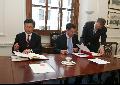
x=94 y=31
x=70 y=46
x=28 y=40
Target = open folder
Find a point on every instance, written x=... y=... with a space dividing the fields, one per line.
x=21 y=56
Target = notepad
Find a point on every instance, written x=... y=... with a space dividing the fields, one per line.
x=41 y=68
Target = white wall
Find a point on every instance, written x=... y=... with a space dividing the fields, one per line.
x=1 y=16
x=88 y=12
x=13 y=14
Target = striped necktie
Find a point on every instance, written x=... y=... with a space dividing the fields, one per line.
x=28 y=40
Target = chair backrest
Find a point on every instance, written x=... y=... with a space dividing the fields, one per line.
x=110 y=48
x=118 y=50
x=53 y=37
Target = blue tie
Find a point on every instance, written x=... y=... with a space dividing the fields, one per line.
x=70 y=46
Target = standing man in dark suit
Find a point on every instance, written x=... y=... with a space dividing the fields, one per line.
x=28 y=41
x=66 y=43
x=92 y=32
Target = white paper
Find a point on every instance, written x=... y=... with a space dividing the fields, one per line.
x=80 y=55
x=20 y=54
x=17 y=58
x=83 y=47
x=41 y=68
x=30 y=55
x=99 y=61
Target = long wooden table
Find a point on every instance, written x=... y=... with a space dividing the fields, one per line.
x=20 y=72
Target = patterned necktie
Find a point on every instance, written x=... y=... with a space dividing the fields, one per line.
x=28 y=40
x=70 y=46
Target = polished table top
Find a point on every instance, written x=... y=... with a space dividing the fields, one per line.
x=20 y=72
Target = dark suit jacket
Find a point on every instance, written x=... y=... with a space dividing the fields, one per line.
x=35 y=42
x=88 y=38
x=61 y=42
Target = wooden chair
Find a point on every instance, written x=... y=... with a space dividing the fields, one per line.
x=53 y=37
x=108 y=47
x=118 y=50
x=109 y=50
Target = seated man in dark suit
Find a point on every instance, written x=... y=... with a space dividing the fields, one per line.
x=66 y=43
x=92 y=31
x=28 y=41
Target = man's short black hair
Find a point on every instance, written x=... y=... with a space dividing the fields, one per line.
x=69 y=26
x=30 y=21
x=101 y=21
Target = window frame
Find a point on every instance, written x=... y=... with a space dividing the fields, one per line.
x=74 y=16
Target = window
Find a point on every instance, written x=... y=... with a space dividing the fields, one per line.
x=69 y=2
x=49 y=14
x=49 y=1
x=41 y=1
x=53 y=14
x=41 y=14
x=41 y=27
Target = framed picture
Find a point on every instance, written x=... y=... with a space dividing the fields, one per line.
x=114 y=4
x=113 y=20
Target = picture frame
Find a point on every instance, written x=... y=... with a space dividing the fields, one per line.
x=113 y=20
x=114 y=4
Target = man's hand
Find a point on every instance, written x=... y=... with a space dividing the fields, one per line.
x=16 y=47
x=63 y=51
x=75 y=50
x=26 y=51
x=101 y=50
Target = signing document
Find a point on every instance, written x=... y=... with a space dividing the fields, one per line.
x=84 y=48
